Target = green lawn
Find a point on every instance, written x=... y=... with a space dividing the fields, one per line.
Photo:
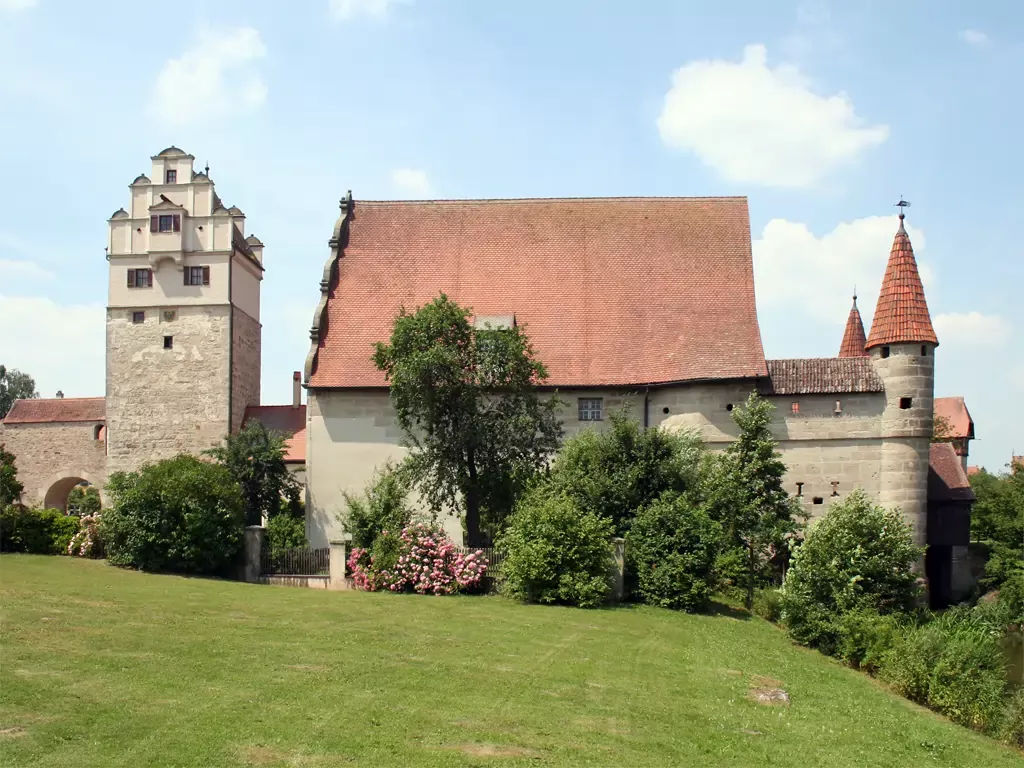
x=104 y=667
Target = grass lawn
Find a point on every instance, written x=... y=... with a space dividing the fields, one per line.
x=104 y=667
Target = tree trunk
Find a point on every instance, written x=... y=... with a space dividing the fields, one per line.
x=473 y=537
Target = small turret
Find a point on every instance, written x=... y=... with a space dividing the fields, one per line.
x=854 y=342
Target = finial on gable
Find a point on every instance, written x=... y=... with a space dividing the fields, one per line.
x=347 y=204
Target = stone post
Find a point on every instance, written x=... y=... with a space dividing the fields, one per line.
x=253 y=550
x=618 y=570
x=339 y=554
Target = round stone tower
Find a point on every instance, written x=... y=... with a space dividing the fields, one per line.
x=902 y=346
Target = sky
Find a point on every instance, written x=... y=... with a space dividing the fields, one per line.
x=822 y=114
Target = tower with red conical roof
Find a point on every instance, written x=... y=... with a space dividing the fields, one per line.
x=854 y=342
x=902 y=346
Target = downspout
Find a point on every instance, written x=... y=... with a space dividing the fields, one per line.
x=647 y=398
x=231 y=334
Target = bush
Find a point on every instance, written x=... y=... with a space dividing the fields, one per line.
x=908 y=665
x=556 y=552
x=84 y=500
x=768 y=604
x=858 y=556
x=865 y=638
x=181 y=515
x=87 y=542
x=968 y=681
x=35 y=531
x=1011 y=729
x=286 y=532
x=670 y=548
x=384 y=506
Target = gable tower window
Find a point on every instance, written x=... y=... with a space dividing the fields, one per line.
x=170 y=177
x=165 y=223
x=589 y=408
x=197 y=275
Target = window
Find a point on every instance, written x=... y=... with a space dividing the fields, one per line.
x=170 y=177
x=799 y=489
x=885 y=352
x=906 y=403
x=728 y=406
x=589 y=408
x=817 y=500
x=795 y=408
x=138 y=317
x=168 y=342
x=140 y=278
x=835 y=487
x=924 y=351
x=165 y=223
x=98 y=432
x=197 y=275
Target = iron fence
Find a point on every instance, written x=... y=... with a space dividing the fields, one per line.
x=295 y=562
x=494 y=558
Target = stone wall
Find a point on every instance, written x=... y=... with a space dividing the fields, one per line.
x=246 y=335
x=53 y=458
x=162 y=402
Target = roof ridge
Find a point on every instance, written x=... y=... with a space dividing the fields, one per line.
x=497 y=200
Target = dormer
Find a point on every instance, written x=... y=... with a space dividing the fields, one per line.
x=165 y=231
x=238 y=218
x=172 y=166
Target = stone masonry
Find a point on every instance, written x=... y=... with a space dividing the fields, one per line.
x=245 y=365
x=53 y=458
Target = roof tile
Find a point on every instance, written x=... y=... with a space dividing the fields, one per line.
x=901 y=315
x=823 y=375
x=286 y=419
x=947 y=480
x=58 y=409
x=958 y=418
x=853 y=337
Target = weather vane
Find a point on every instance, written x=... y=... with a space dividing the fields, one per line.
x=902 y=204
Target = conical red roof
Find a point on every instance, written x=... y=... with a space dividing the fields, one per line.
x=901 y=315
x=853 y=337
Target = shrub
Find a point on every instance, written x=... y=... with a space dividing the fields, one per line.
x=908 y=665
x=670 y=548
x=87 y=542
x=858 y=556
x=286 y=532
x=968 y=681
x=556 y=552
x=865 y=638
x=182 y=515
x=35 y=531
x=10 y=488
x=768 y=604
x=384 y=506
x=419 y=559
x=1011 y=729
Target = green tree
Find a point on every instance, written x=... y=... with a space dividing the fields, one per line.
x=941 y=430
x=998 y=520
x=15 y=385
x=466 y=400
x=10 y=488
x=84 y=500
x=255 y=458
x=620 y=470
x=383 y=506
x=745 y=493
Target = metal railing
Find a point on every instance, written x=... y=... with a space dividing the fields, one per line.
x=494 y=557
x=295 y=562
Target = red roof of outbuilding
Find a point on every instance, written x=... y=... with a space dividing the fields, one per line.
x=901 y=315
x=947 y=480
x=853 y=337
x=285 y=419
x=614 y=291
x=958 y=418
x=58 y=409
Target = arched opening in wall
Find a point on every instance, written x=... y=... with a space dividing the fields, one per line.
x=57 y=494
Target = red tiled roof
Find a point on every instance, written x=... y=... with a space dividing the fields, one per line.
x=822 y=375
x=58 y=409
x=612 y=291
x=958 y=418
x=901 y=314
x=853 y=337
x=973 y=471
x=947 y=480
x=286 y=419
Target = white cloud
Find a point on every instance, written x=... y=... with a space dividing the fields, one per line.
x=974 y=37
x=971 y=329
x=14 y=269
x=378 y=10
x=756 y=124
x=816 y=276
x=213 y=79
x=16 y=5
x=411 y=181
x=61 y=347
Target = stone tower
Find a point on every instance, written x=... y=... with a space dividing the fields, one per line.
x=902 y=346
x=183 y=317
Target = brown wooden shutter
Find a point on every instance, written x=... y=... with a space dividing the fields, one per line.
x=206 y=275
x=177 y=223
x=185 y=273
x=154 y=223
x=131 y=278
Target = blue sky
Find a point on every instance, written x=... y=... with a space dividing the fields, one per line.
x=822 y=114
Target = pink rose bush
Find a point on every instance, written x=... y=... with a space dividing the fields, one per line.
x=87 y=542
x=420 y=559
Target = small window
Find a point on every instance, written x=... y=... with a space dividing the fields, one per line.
x=835 y=487
x=197 y=275
x=171 y=177
x=97 y=432
x=799 y=489
x=140 y=278
x=924 y=350
x=906 y=403
x=818 y=500
x=795 y=408
x=166 y=224
x=885 y=352
x=589 y=408
x=168 y=342
x=665 y=409
x=138 y=317
x=728 y=406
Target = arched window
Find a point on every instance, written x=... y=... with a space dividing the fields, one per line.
x=99 y=432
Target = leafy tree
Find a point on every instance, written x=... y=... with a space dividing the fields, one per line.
x=620 y=470
x=384 y=506
x=255 y=458
x=858 y=556
x=466 y=399
x=942 y=432
x=998 y=519
x=15 y=385
x=84 y=500
x=10 y=488
x=183 y=515
x=745 y=493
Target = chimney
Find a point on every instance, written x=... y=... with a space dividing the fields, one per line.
x=296 y=390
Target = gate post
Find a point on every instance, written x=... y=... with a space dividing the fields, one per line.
x=337 y=566
x=253 y=552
